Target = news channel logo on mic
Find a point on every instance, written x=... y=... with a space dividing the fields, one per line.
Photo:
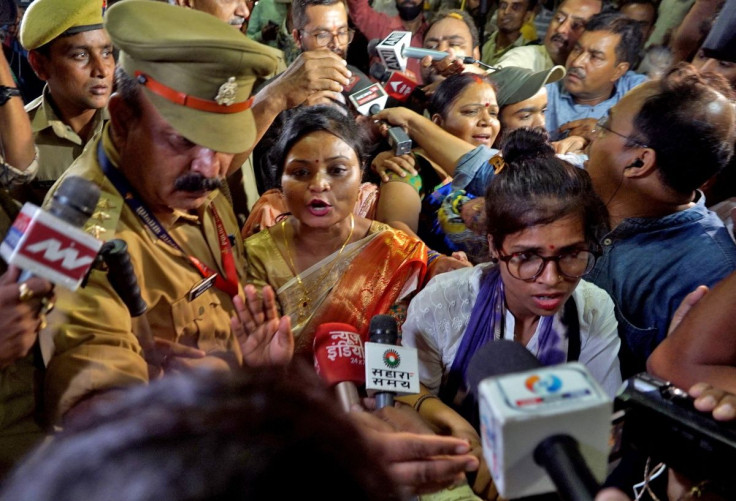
x=518 y=411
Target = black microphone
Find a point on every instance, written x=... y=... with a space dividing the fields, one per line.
x=383 y=330
x=532 y=414
x=50 y=243
x=366 y=96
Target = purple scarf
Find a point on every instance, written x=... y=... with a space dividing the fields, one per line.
x=487 y=323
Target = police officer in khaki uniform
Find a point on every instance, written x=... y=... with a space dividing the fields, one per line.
x=180 y=113
x=69 y=49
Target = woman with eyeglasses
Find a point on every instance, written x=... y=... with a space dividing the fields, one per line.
x=543 y=221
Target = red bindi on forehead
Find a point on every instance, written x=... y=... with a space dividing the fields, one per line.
x=551 y=247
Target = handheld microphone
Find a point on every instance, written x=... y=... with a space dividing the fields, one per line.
x=397 y=85
x=396 y=49
x=366 y=96
x=339 y=359
x=543 y=428
x=51 y=244
x=383 y=330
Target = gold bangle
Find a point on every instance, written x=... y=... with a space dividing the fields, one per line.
x=421 y=400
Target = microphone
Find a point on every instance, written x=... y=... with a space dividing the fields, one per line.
x=543 y=428
x=396 y=49
x=366 y=96
x=51 y=244
x=339 y=359
x=383 y=330
x=397 y=85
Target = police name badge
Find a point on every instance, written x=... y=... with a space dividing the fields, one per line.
x=201 y=287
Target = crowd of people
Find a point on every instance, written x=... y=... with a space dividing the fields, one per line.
x=569 y=187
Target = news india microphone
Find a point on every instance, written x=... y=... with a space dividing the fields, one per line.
x=51 y=244
x=543 y=429
x=339 y=359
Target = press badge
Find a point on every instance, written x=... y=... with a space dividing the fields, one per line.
x=201 y=287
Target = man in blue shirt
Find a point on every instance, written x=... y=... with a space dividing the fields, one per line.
x=661 y=142
x=598 y=75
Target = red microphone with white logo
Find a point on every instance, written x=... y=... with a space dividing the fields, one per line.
x=339 y=359
x=51 y=244
x=398 y=85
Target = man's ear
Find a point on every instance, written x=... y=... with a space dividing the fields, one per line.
x=476 y=53
x=121 y=118
x=643 y=165
x=296 y=35
x=621 y=69
x=39 y=64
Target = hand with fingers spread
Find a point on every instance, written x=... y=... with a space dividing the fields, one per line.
x=21 y=314
x=418 y=462
x=386 y=161
x=265 y=338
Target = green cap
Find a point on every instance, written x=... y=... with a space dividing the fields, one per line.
x=46 y=20
x=197 y=71
x=519 y=84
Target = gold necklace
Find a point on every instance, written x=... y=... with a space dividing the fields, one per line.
x=305 y=300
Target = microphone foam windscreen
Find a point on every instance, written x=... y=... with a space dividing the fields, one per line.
x=497 y=358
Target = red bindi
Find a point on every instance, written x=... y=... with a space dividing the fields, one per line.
x=551 y=247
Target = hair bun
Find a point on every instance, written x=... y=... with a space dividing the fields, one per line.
x=526 y=144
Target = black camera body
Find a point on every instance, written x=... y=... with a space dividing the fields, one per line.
x=659 y=420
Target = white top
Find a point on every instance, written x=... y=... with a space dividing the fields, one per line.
x=439 y=313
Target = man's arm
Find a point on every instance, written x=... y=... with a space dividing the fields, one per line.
x=701 y=347
x=15 y=126
x=441 y=146
x=313 y=71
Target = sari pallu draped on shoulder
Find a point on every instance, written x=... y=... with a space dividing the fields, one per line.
x=369 y=277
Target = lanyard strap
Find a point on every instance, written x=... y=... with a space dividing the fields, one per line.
x=228 y=283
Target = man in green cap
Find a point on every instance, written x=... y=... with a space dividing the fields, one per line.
x=69 y=49
x=180 y=114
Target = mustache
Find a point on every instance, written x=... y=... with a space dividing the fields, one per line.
x=576 y=72
x=558 y=38
x=194 y=181
x=237 y=21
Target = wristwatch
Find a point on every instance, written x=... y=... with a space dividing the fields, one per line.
x=6 y=93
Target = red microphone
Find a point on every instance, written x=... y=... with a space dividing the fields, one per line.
x=398 y=85
x=51 y=244
x=339 y=359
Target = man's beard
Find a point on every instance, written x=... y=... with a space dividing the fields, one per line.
x=408 y=11
x=194 y=182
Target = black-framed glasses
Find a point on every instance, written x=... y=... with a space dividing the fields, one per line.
x=529 y=265
x=324 y=37
x=602 y=124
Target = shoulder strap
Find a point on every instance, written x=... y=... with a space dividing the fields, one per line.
x=572 y=321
